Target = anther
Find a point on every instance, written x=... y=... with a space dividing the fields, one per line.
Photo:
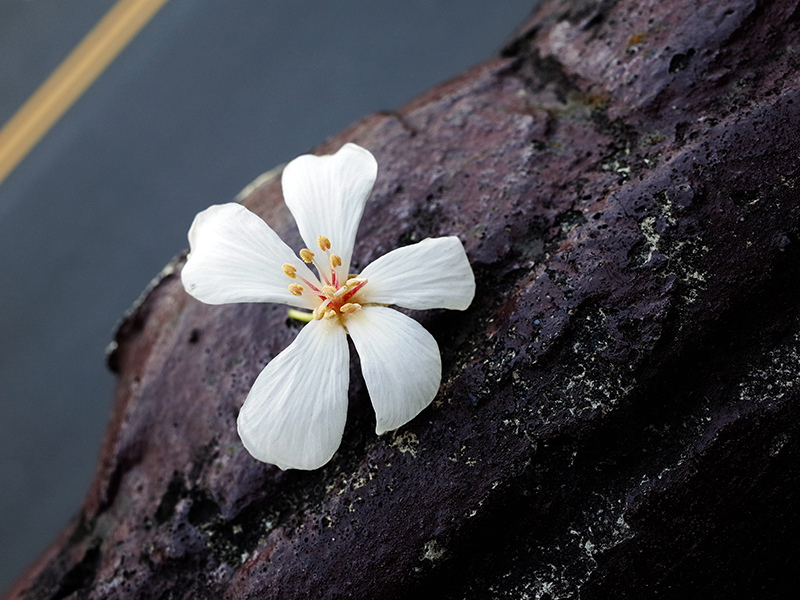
x=289 y=270
x=330 y=314
x=353 y=282
x=336 y=261
x=329 y=291
x=349 y=307
x=319 y=312
x=307 y=255
x=323 y=243
x=296 y=289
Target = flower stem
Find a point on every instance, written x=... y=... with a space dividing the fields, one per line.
x=299 y=315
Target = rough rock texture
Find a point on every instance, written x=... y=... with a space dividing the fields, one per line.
x=619 y=414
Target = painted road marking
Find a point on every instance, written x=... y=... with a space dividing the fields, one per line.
x=71 y=79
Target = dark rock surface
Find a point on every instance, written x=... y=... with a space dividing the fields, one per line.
x=620 y=408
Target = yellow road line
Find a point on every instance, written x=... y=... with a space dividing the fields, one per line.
x=100 y=46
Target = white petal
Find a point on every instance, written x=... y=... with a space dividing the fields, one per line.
x=435 y=273
x=294 y=415
x=235 y=257
x=326 y=195
x=400 y=361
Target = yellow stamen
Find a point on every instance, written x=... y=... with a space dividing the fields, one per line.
x=307 y=255
x=349 y=307
x=329 y=291
x=296 y=289
x=330 y=314
x=323 y=243
x=319 y=312
x=289 y=270
x=336 y=261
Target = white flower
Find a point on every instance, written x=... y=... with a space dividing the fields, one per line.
x=295 y=412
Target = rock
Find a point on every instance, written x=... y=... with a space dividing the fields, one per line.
x=620 y=406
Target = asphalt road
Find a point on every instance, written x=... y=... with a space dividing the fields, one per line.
x=206 y=98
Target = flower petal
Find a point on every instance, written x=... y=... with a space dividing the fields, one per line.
x=235 y=257
x=326 y=195
x=400 y=361
x=295 y=413
x=435 y=273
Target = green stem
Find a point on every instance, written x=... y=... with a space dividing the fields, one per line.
x=300 y=315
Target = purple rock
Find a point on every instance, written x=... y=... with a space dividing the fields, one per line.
x=619 y=410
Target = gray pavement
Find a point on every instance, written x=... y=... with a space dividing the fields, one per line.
x=207 y=97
